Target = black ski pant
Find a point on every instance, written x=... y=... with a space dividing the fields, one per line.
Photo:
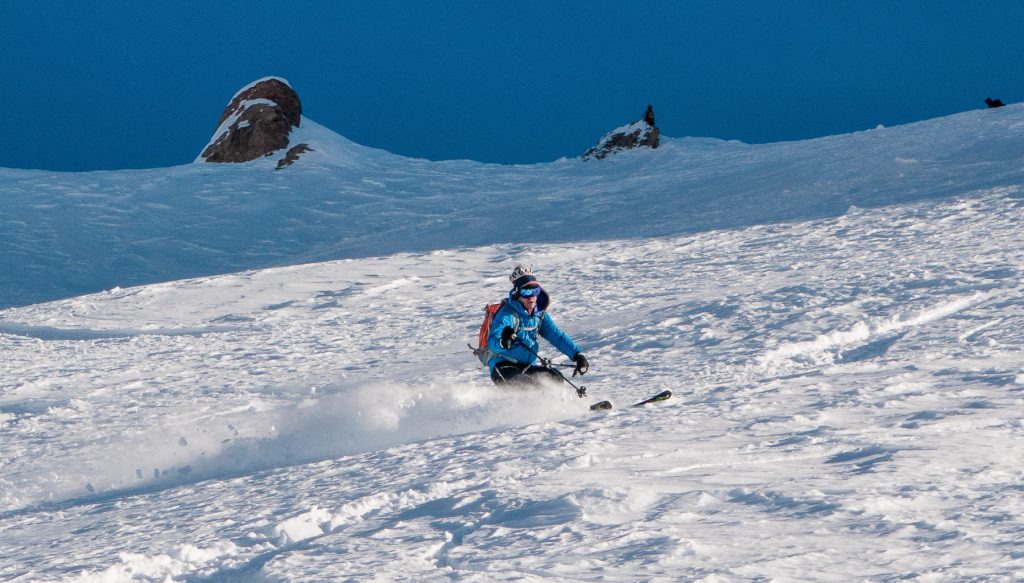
x=513 y=373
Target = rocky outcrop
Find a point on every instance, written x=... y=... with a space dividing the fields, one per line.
x=642 y=134
x=256 y=123
x=293 y=155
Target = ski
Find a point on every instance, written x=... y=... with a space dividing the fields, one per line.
x=606 y=405
x=662 y=396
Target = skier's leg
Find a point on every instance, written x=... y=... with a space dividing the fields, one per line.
x=506 y=372
x=543 y=373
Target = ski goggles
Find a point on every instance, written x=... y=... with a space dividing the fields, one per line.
x=529 y=292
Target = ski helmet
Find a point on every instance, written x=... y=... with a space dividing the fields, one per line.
x=522 y=276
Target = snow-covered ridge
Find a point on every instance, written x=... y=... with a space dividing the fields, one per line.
x=64 y=234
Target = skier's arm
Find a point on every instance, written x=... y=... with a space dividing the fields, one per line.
x=553 y=334
x=503 y=319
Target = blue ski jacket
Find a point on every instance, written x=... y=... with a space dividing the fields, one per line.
x=512 y=314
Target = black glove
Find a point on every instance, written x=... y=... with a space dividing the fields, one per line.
x=506 y=337
x=582 y=366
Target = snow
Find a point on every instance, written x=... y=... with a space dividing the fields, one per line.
x=840 y=321
x=257 y=82
x=70 y=234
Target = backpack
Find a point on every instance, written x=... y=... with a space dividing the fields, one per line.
x=490 y=311
x=482 y=351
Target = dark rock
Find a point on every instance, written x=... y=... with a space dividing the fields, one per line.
x=649 y=116
x=994 y=102
x=256 y=123
x=293 y=155
x=642 y=134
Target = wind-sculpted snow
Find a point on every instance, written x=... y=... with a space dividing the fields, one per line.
x=848 y=406
x=67 y=234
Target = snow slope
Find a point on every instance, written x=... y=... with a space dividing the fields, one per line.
x=67 y=234
x=848 y=385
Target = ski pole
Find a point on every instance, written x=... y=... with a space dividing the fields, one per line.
x=581 y=391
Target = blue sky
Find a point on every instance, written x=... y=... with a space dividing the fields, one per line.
x=110 y=85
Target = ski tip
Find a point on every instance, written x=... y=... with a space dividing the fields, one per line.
x=601 y=406
x=662 y=396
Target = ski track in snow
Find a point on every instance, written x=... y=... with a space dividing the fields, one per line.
x=848 y=387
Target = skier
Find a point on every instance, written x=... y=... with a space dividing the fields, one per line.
x=513 y=334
